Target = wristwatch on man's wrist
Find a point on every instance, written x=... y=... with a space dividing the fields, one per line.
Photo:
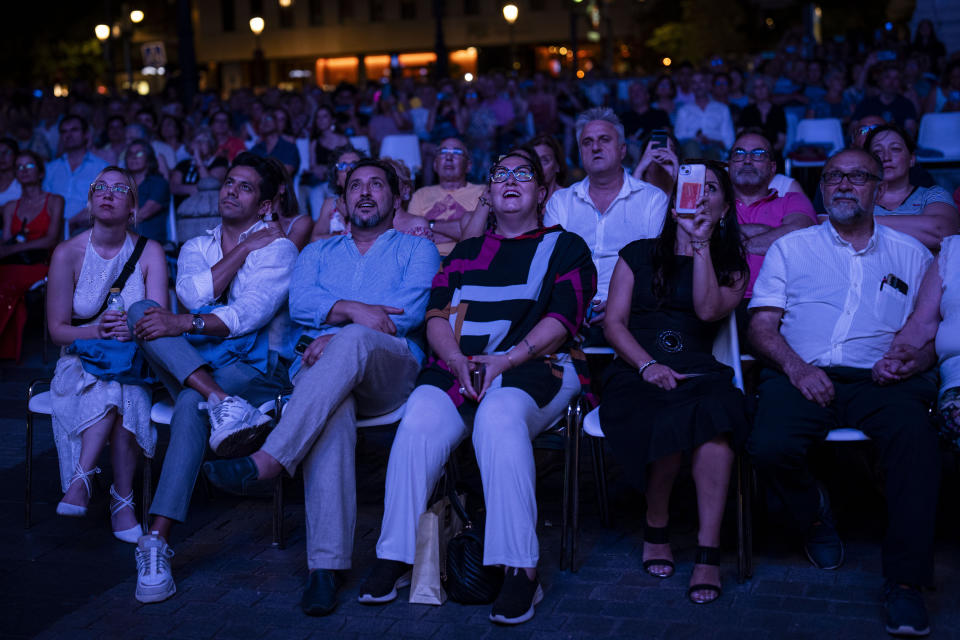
x=197 y=323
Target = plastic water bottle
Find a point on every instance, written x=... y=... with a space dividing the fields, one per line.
x=115 y=300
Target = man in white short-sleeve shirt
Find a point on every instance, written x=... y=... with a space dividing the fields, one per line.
x=827 y=304
x=609 y=208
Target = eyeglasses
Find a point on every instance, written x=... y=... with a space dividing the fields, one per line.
x=345 y=166
x=867 y=128
x=28 y=165
x=120 y=188
x=136 y=154
x=523 y=173
x=756 y=155
x=857 y=178
x=450 y=151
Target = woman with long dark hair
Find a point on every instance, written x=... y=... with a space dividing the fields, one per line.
x=666 y=394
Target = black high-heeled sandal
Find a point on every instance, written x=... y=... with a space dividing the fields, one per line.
x=657 y=535
x=708 y=556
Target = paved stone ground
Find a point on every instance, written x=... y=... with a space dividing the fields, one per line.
x=66 y=578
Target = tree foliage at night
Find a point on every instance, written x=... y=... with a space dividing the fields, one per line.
x=706 y=27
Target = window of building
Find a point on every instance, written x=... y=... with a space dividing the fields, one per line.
x=376 y=10
x=286 y=17
x=316 y=13
x=228 y=15
x=408 y=10
x=346 y=10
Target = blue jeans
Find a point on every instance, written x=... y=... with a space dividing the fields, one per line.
x=174 y=359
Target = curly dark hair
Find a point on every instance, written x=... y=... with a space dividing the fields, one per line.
x=726 y=249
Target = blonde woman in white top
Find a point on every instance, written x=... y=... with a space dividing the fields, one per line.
x=88 y=412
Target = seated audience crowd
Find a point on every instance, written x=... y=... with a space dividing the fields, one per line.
x=468 y=301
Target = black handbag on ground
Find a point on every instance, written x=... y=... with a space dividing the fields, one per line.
x=467 y=580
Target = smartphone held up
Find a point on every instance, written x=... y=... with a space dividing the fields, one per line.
x=689 y=189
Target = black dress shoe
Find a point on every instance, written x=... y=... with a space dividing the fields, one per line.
x=320 y=593
x=237 y=475
x=823 y=547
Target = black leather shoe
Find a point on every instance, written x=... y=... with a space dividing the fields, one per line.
x=823 y=547
x=320 y=593
x=237 y=475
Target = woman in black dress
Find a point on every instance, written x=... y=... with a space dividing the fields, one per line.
x=665 y=393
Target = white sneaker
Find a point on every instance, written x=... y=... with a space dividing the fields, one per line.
x=154 y=578
x=236 y=426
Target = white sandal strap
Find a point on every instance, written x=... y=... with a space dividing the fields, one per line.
x=118 y=502
x=80 y=474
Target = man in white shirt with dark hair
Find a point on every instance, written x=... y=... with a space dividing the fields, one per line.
x=609 y=208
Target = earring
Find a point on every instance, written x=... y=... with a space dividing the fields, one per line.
x=723 y=224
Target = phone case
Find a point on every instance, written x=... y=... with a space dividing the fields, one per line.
x=689 y=187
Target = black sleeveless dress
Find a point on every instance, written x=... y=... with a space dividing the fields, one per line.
x=643 y=422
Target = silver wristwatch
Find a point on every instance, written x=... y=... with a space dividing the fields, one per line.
x=198 y=324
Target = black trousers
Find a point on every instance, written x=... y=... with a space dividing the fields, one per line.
x=896 y=419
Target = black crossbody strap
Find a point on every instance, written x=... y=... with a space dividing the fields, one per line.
x=119 y=283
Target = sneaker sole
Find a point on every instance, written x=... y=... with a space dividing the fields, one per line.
x=830 y=568
x=907 y=631
x=537 y=597
x=402 y=581
x=149 y=595
x=241 y=442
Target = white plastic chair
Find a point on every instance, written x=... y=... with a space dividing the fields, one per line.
x=172 y=222
x=404 y=147
x=940 y=132
x=303 y=148
x=816 y=131
x=360 y=143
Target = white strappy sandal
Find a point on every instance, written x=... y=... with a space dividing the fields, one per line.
x=117 y=502
x=75 y=510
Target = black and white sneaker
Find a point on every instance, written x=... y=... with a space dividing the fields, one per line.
x=518 y=596
x=236 y=426
x=381 y=586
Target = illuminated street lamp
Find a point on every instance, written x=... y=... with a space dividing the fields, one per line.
x=510 y=14
x=102 y=31
x=285 y=4
x=258 y=75
x=136 y=16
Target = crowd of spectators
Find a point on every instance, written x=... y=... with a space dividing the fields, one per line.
x=474 y=279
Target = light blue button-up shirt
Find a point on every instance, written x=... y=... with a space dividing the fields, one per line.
x=72 y=185
x=397 y=271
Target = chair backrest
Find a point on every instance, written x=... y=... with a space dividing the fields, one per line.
x=360 y=143
x=404 y=147
x=172 y=223
x=820 y=131
x=941 y=132
x=726 y=349
x=792 y=120
x=303 y=148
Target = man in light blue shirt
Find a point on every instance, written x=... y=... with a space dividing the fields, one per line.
x=360 y=299
x=72 y=173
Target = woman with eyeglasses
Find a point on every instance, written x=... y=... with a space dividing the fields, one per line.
x=90 y=410
x=153 y=190
x=501 y=320
x=926 y=213
x=331 y=220
x=666 y=395
x=32 y=226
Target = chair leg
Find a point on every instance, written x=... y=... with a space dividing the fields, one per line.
x=744 y=521
x=28 y=464
x=575 y=441
x=146 y=496
x=278 y=537
x=600 y=477
x=573 y=410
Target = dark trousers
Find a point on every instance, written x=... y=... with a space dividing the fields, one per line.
x=896 y=419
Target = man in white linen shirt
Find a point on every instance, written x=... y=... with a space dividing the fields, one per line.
x=704 y=126
x=233 y=281
x=827 y=304
x=609 y=208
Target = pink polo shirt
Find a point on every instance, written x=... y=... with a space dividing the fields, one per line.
x=771 y=211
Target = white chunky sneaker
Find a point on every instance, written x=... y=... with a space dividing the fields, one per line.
x=236 y=427
x=154 y=578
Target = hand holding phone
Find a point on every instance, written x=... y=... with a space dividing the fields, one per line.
x=689 y=189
